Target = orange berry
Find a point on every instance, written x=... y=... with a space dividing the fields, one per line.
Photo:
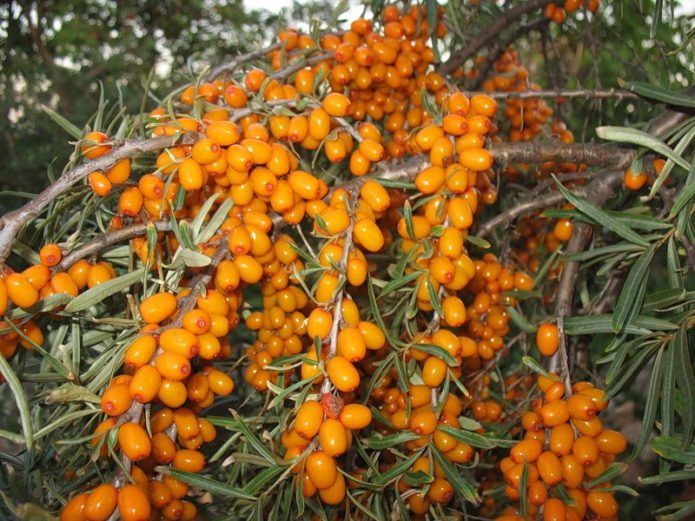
x=101 y=503
x=547 y=339
x=322 y=469
x=342 y=374
x=133 y=504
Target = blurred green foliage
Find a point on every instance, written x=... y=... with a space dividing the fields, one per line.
x=57 y=52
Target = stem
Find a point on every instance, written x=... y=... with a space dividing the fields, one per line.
x=109 y=239
x=489 y=34
x=338 y=301
x=230 y=66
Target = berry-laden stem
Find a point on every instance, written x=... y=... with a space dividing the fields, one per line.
x=134 y=412
x=11 y=223
x=338 y=301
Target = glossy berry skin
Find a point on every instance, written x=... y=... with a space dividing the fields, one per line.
x=322 y=469
x=547 y=339
x=343 y=374
x=101 y=503
x=134 y=441
x=133 y=504
x=355 y=416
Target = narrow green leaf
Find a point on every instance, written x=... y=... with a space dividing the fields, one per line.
x=217 y=488
x=651 y=405
x=533 y=364
x=252 y=438
x=635 y=281
x=438 y=352
x=395 y=472
x=254 y=486
x=379 y=442
x=667 y=477
x=523 y=494
x=601 y=217
x=652 y=91
x=612 y=472
x=396 y=284
x=685 y=195
x=68 y=127
x=640 y=138
x=686 y=381
x=520 y=320
x=392 y=183
x=98 y=293
x=671 y=447
x=564 y=496
x=20 y=399
x=472 y=438
x=479 y=242
x=460 y=484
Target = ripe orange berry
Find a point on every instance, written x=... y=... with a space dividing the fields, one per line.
x=191 y=175
x=434 y=371
x=74 y=509
x=554 y=413
x=173 y=366
x=321 y=469
x=342 y=374
x=101 y=503
x=336 y=104
x=50 y=255
x=603 y=504
x=20 y=291
x=333 y=438
x=189 y=460
x=116 y=400
x=309 y=418
x=133 y=504
x=145 y=384
x=355 y=416
x=547 y=339
x=549 y=468
x=526 y=451
x=92 y=147
x=156 y=308
x=611 y=442
x=423 y=422
x=563 y=229
x=134 y=441
x=351 y=344
x=441 y=491
x=334 y=494
x=254 y=79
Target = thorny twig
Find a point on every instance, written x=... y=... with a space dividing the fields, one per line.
x=230 y=66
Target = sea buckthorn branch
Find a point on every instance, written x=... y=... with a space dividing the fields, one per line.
x=488 y=34
x=109 y=239
x=559 y=152
x=534 y=202
x=564 y=296
x=559 y=93
x=501 y=47
x=291 y=69
x=338 y=301
x=11 y=223
x=230 y=66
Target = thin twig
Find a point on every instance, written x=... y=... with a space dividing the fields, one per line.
x=338 y=301
x=109 y=239
x=559 y=93
x=488 y=34
x=536 y=203
x=230 y=66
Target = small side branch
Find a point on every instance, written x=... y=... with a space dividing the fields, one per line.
x=109 y=239
x=230 y=66
x=487 y=35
